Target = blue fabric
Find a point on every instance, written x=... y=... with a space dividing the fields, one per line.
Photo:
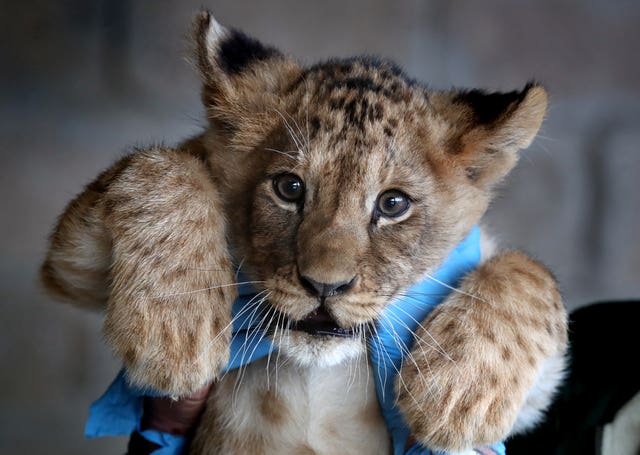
x=119 y=409
x=417 y=449
x=403 y=316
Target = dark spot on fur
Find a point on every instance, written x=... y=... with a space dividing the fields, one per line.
x=489 y=335
x=531 y=360
x=456 y=344
x=496 y=409
x=520 y=342
x=315 y=124
x=454 y=145
x=378 y=112
x=488 y=107
x=129 y=356
x=361 y=84
x=239 y=50
x=472 y=173
x=337 y=103
x=464 y=408
x=350 y=110
x=451 y=325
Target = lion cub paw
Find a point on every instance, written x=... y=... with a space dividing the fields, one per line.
x=479 y=353
x=184 y=365
x=175 y=344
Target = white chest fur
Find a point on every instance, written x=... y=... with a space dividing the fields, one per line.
x=280 y=407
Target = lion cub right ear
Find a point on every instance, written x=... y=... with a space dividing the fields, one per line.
x=241 y=76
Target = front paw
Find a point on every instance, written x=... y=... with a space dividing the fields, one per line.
x=476 y=357
x=174 y=347
x=453 y=396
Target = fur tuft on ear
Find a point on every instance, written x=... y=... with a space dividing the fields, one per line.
x=227 y=49
x=485 y=130
x=523 y=123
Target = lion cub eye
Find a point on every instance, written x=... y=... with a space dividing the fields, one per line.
x=288 y=187
x=393 y=203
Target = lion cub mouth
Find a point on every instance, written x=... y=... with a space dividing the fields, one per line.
x=320 y=323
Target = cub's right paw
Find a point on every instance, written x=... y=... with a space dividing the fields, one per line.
x=174 y=344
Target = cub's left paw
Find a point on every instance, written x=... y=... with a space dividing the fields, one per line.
x=453 y=401
x=478 y=355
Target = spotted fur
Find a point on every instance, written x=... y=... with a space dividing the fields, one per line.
x=152 y=242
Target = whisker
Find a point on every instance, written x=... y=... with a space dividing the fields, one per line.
x=268 y=325
x=253 y=331
x=424 y=294
x=406 y=353
x=399 y=376
x=459 y=291
x=419 y=304
x=249 y=305
x=366 y=367
x=378 y=347
x=238 y=268
x=292 y=134
x=206 y=270
x=291 y=154
x=210 y=288
x=255 y=305
x=419 y=339
x=262 y=334
x=306 y=92
x=298 y=128
x=419 y=323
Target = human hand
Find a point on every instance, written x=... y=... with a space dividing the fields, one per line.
x=173 y=418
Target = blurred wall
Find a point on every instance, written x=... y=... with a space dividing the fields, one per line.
x=82 y=81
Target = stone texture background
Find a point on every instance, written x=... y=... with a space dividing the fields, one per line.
x=81 y=81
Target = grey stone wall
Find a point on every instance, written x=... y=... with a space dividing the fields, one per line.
x=81 y=81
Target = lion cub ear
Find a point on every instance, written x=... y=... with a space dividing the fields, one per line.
x=484 y=131
x=241 y=76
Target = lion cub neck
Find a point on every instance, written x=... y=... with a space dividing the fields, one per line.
x=278 y=406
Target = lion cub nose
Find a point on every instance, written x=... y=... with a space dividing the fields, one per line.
x=326 y=289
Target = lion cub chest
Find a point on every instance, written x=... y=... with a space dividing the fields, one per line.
x=279 y=407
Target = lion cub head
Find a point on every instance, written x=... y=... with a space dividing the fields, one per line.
x=346 y=182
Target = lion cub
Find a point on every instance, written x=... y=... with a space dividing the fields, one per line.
x=335 y=187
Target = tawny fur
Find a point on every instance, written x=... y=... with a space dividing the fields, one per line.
x=152 y=241
x=514 y=322
x=297 y=409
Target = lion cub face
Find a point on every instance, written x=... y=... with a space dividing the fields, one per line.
x=346 y=182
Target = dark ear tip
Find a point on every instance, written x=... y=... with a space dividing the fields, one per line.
x=531 y=83
x=534 y=86
x=200 y=25
x=203 y=18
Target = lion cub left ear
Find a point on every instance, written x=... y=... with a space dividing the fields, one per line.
x=484 y=130
x=240 y=75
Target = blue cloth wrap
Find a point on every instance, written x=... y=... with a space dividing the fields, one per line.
x=119 y=410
